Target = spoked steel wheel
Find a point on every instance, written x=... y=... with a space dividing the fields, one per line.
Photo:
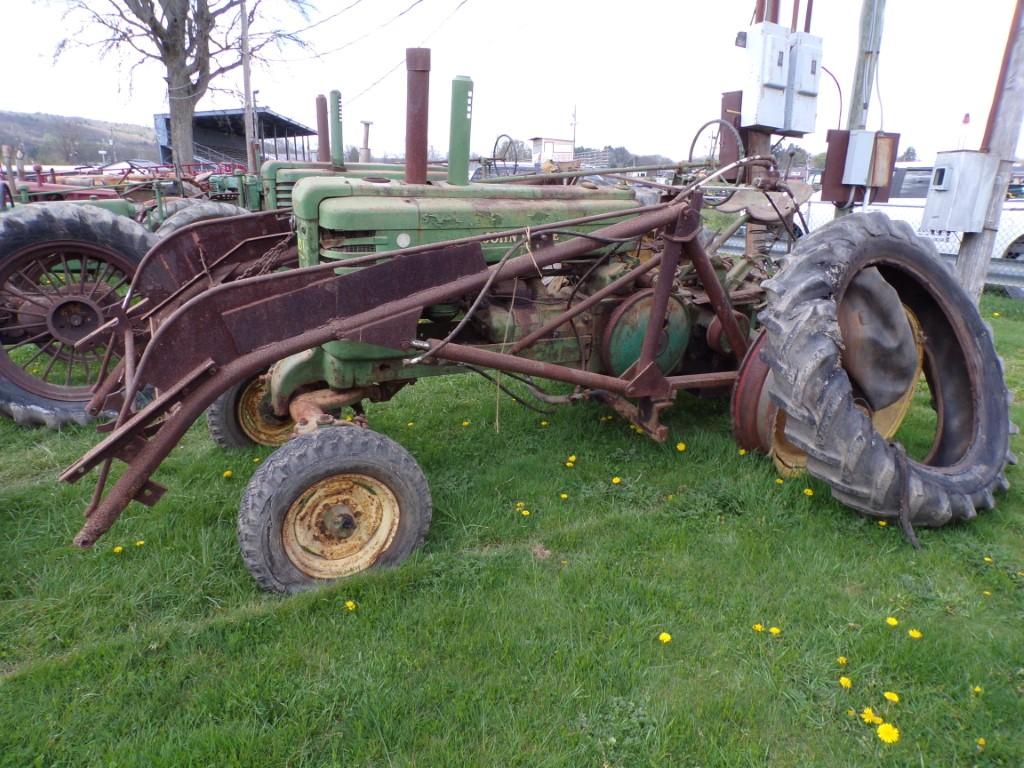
x=52 y=296
x=64 y=270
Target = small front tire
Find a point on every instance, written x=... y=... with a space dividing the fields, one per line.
x=330 y=504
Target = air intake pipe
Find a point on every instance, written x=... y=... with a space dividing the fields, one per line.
x=458 y=135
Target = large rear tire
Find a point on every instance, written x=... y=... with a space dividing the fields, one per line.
x=804 y=347
x=330 y=504
x=63 y=269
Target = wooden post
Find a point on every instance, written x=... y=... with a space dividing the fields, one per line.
x=868 y=49
x=1001 y=135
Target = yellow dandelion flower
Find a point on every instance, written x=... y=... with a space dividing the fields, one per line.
x=348 y=417
x=774 y=631
x=759 y=627
x=572 y=458
x=351 y=605
x=892 y=696
x=616 y=480
x=665 y=638
x=1020 y=573
x=256 y=459
x=140 y=543
x=841 y=661
x=977 y=690
x=846 y=682
x=411 y=424
x=524 y=512
x=743 y=451
x=986 y=593
x=883 y=523
x=563 y=496
x=869 y=717
x=466 y=423
x=892 y=621
x=520 y=504
x=544 y=423
x=680 y=447
x=888 y=733
x=981 y=742
x=779 y=481
x=988 y=559
x=570 y=464
x=118 y=549
x=227 y=474
x=670 y=497
x=917 y=634
x=808 y=491
x=995 y=314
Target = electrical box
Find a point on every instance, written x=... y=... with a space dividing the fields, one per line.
x=802 y=87
x=764 y=93
x=960 y=190
x=869 y=159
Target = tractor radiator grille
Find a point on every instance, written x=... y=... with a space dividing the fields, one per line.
x=336 y=244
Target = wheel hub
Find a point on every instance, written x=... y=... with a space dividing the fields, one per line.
x=72 y=318
x=340 y=525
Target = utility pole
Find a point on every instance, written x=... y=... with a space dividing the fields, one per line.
x=872 y=13
x=250 y=139
x=1001 y=135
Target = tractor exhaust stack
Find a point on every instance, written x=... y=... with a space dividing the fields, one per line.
x=337 y=147
x=458 y=135
x=417 y=64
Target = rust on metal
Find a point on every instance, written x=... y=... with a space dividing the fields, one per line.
x=417 y=64
x=340 y=525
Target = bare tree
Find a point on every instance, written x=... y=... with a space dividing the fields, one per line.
x=196 y=41
x=69 y=135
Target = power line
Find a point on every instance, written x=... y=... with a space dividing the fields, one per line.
x=361 y=37
x=391 y=71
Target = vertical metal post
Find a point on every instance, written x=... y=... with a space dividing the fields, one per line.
x=417 y=64
x=250 y=134
x=323 y=136
x=459 y=132
x=1001 y=135
x=364 y=151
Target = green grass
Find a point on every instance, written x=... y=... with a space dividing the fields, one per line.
x=485 y=650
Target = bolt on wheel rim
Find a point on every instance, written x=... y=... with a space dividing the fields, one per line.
x=52 y=296
x=340 y=525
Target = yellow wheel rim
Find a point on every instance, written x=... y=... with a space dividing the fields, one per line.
x=340 y=525
x=254 y=420
x=790 y=461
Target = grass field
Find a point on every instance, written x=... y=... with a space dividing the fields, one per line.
x=512 y=640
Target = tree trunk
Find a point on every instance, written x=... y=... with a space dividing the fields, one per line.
x=182 y=101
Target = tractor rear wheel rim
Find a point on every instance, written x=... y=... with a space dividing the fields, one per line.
x=51 y=296
x=340 y=525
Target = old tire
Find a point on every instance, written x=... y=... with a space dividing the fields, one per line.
x=204 y=211
x=153 y=220
x=242 y=418
x=59 y=262
x=971 y=447
x=315 y=489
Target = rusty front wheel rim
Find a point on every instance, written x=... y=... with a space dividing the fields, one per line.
x=340 y=525
x=252 y=418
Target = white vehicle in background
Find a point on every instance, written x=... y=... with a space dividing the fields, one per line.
x=907 y=198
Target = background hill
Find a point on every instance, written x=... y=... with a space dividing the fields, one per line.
x=60 y=140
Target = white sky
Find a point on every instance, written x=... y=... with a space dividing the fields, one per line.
x=643 y=74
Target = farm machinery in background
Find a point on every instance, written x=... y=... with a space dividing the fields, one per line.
x=280 y=321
